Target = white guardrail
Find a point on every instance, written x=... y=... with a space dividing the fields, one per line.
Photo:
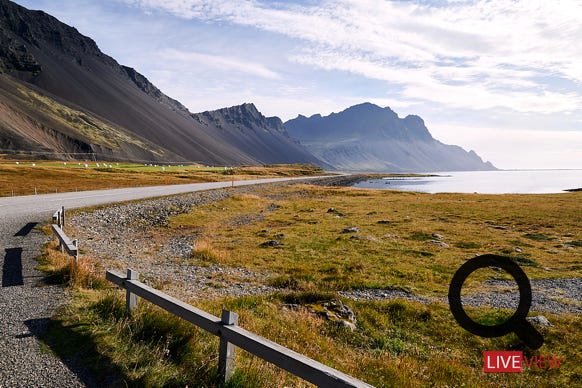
x=65 y=243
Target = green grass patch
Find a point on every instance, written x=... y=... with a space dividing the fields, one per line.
x=539 y=237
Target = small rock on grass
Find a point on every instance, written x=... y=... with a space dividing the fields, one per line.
x=270 y=243
x=539 y=320
x=439 y=243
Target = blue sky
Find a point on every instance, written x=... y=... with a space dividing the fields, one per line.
x=501 y=77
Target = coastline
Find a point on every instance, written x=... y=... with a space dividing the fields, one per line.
x=485 y=182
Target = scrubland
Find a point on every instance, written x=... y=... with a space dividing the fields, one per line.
x=319 y=243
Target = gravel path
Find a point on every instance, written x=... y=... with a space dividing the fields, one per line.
x=548 y=295
x=26 y=308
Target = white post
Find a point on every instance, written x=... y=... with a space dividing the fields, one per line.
x=76 y=244
x=226 y=354
x=131 y=299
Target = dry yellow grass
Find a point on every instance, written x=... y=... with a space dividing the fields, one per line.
x=396 y=244
x=396 y=343
x=51 y=177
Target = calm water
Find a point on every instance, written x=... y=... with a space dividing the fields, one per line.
x=485 y=182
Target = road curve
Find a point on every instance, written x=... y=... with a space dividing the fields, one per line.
x=44 y=205
x=26 y=308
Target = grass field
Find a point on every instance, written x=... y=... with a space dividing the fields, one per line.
x=42 y=177
x=397 y=245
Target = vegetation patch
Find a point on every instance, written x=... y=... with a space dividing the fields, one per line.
x=394 y=343
x=43 y=177
x=538 y=237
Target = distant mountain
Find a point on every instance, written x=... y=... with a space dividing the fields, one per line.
x=60 y=93
x=367 y=137
x=255 y=134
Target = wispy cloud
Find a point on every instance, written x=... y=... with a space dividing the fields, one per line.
x=217 y=62
x=465 y=54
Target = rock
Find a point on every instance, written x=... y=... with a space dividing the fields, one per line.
x=517 y=249
x=439 y=243
x=270 y=243
x=335 y=311
x=272 y=207
x=438 y=236
x=332 y=210
x=389 y=235
x=346 y=324
x=291 y=306
x=539 y=320
x=351 y=229
x=367 y=238
x=495 y=226
x=384 y=222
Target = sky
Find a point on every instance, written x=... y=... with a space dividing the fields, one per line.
x=500 y=77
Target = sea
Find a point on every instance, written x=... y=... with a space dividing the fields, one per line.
x=483 y=182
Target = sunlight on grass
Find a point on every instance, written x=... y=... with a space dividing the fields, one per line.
x=332 y=239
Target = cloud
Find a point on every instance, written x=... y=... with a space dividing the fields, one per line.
x=217 y=62
x=472 y=54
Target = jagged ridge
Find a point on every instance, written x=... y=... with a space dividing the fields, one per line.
x=366 y=137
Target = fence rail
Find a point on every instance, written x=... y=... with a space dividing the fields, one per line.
x=232 y=336
x=65 y=242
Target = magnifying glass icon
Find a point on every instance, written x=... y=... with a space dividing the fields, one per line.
x=517 y=323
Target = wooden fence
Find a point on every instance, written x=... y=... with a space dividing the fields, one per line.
x=232 y=336
x=65 y=243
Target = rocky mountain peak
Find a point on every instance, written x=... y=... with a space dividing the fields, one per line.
x=366 y=137
x=147 y=87
x=37 y=28
x=245 y=116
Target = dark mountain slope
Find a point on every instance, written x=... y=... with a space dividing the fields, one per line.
x=33 y=123
x=254 y=133
x=61 y=64
x=366 y=137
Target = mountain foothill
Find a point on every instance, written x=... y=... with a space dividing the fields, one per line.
x=61 y=97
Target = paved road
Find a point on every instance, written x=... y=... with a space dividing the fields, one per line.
x=26 y=308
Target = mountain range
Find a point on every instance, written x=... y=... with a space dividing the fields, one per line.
x=61 y=97
x=367 y=137
x=60 y=93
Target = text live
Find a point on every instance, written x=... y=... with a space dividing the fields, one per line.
x=514 y=361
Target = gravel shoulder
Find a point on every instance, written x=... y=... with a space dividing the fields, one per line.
x=26 y=308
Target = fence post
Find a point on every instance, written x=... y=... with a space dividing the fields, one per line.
x=130 y=299
x=63 y=217
x=226 y=353
x=76 y=244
